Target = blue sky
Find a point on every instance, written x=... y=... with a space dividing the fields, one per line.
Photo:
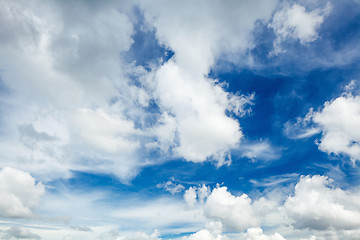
x=189 y=120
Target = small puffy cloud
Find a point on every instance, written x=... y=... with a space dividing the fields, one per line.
x=294 y=22
x=20 y=233
x=316 y=204
x=339 y=121
x=203 y=192
x=233 y=211
x=171 y=187
x=193 y=194
x=20 y=194
x=213 y=231
x=257 y=234
x=190 y=196
x=262 y=150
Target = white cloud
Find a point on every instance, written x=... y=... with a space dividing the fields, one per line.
x=193 y=194
x=339 y=120
x=203 y=192
x=234 y=211
x=199 y=33
x=190 y=196
x=315 y=208
x=316 y=204
x=199 y=108
x=171 y=187
x=294 y=22
x=213 y=231
x=257 y=234
x=64 y=60
x=165 y=132
x=20 y=194
x=262 y=150
x=57 y=63
x=107 y=132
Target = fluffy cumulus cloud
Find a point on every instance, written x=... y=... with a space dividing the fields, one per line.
x=316 y=204
x=198 y=36
x=234 y=211
x=295 y=22
x=339 y=120
x=213 y=231
x=315 y=208
x=20 y=193
x=85 y=104
x=199 y=107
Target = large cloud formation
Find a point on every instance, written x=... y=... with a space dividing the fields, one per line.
x=87 y=108
x=198 y=36
x=315 y=207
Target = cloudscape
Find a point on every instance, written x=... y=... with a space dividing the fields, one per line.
x=182 y=120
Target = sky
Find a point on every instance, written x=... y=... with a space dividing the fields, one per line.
x=182 y=120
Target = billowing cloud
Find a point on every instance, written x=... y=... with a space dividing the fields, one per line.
x=316 y=204
x=20 y=193
x=315 y=207
x=294 y=22
x=339 y=120
x=234 y=211
x=199 y=105
x=87 y=105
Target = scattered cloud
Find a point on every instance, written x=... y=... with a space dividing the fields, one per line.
x=213 y=231
x=339 y=120
x=262 y=150
x=171 y=187
x=20 y=193
x=316 y=204
x=181 y=85
x=294 y=22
